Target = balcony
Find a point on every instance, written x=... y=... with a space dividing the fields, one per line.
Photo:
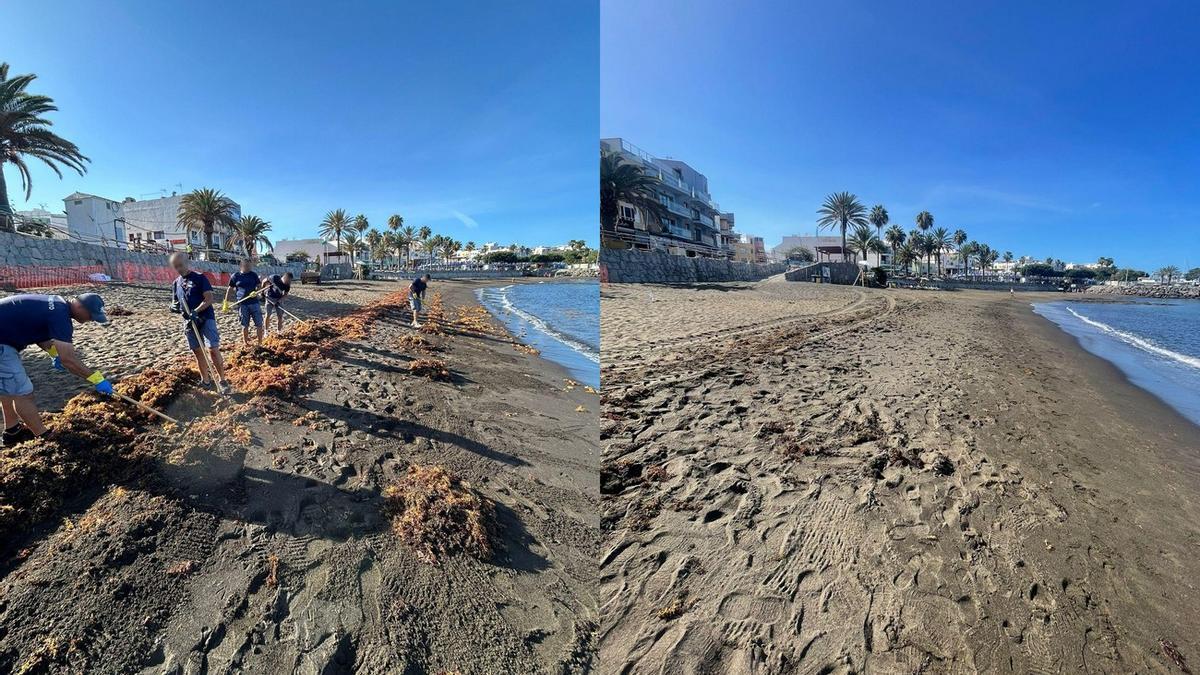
x=678 y=209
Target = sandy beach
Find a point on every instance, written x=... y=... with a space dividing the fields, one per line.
x=808 y=478
x=259 y=538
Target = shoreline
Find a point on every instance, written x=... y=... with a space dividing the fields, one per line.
x=266 y=513
x=914 y=480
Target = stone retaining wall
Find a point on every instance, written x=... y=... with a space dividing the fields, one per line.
x=1172 y=291
x=627 y=266
x=830 y=273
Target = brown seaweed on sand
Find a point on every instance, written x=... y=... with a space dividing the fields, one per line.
x=439 y=515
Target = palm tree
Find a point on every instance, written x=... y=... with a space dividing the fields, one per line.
x=424 y=233
x=621 y=181
x=929 y=245
x=924 y=221
x=906 y=254
x=1167 y=273
x=360 y=223
x=966 y=251
x=395 y=222
x=406 y=237
x=353 y=241
x=391 y=242
x=374 y=241
x=249 y=232
x=206 y=208
x=25 y=133
x=334 y=226
x=863 y=241
x=960 y=237
x=841 y=209
x=943 y=239
x=894 y=237
x=470 y=246
x=450 y=247
x=430 y=245
x=878 y=218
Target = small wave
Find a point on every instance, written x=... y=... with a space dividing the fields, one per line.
x=1139 y=342
x=584 y=349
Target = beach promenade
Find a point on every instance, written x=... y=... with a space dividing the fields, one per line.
x=814 y=478
x=260 y=537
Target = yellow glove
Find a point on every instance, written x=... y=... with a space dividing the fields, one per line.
x=225 y=306
x=102 y=385
x=53 y=351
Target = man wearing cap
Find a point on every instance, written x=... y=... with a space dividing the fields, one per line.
x=45 y=321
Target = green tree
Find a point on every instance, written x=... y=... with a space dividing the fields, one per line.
x=960 y=238
x=360 y=223
x=878 y=218
x=907 y=253
x=1167 y=273
x=841 y=210
x=25 y=134
x=1192 y=274
x=207 y=209
x=374 y=239
x=621 y=181
x=924 y=221
x=942 y=240
x=894 y=238
x=800 y=254
x=249 y=232
x=334 y=226
x=353 y=241
x=863 y=240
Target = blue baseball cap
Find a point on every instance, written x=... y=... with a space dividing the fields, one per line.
x=95 y=306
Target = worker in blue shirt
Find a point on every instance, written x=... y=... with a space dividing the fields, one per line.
x=244 y=284
x=194 y=300
x=45 y=321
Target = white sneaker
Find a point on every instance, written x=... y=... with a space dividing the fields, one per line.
x=416 y=325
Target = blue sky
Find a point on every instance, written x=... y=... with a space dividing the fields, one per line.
x=478 y=119
x=1069 y=130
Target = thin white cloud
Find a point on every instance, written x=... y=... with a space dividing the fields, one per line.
x=465 y=219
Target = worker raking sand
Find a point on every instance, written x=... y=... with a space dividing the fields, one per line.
x=276 y=287
x=246 y=284
x=416 y=296
x=194 y=300
x=43 y=320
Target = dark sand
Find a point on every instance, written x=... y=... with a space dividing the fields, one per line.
x=274 y=556
x=919 y=482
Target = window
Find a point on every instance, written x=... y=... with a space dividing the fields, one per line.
x=628 y=213
x=159 y=234
x=78 y=202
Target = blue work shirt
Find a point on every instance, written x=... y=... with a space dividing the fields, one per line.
x=277 y=288
x=28 y=319
x=417 y=287
x=245 y=283
x=190 y=289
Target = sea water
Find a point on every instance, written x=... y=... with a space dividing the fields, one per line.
x=1156 y=343
x=561 y=319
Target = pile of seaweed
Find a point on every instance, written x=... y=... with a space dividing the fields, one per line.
x=440 y=515
x=91 y=443
x=434 y=369
x=281 y=364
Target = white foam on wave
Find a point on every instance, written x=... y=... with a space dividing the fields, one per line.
x=541 y=326
x=1139 y=342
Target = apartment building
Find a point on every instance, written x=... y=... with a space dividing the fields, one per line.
x=692 y=223
x=135 y=223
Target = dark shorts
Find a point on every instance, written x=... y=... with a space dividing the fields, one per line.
x=250 y=311
x=208 y=330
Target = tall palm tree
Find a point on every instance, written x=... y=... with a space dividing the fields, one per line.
x=878 y=218
x=360 y=223
x=924 y=221
x=1008 y=257
x=450 y=247
x=25 y=133
x=208 y=209
x=374 y=240
x=424 y=233
x=621 y=181
x=248 y=233
x=943 y=239
x=334 y=226
x=353 y=242
x=391 y=242
x=906 y=254
x=395 y=222
x=406 y=237
x=841 y=210
x=863 y=241
x=430 y=245
x=894 y=237
x=966 y=251
x=470 y=246
x=960 y=237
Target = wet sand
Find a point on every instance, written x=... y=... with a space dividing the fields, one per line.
x=261 y=544
x=912 y=482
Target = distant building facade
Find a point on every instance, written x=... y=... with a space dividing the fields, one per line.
x=692 y=224
x=748 y=248
x=55 y=222
x=136 y=223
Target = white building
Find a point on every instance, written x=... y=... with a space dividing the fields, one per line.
x=100 y=220
x=95 y=220
x=315 y=248
x=157 y=221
